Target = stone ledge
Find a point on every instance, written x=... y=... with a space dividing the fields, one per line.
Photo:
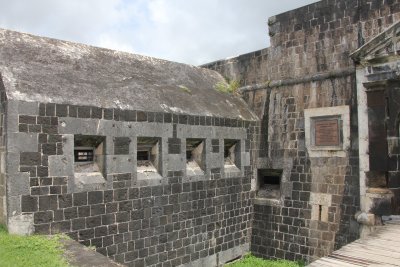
x=80 y=256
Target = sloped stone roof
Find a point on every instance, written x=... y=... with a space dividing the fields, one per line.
x=53 y=71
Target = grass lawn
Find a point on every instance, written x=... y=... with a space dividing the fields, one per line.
x=252 y=261
x=32 y=251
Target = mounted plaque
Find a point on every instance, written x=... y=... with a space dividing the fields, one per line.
x=327 y=132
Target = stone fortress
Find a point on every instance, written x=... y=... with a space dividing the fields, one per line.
x=145 y=160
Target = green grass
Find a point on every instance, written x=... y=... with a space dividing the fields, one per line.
x=32 y=251
x=252 y=261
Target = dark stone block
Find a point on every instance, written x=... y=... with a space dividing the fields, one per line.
x=42 y=229
x=159 y=117
x=42 y=171
x=108 y=219
x=42 y=138
x=190 y=120
x=208 y=121
x=54 y=120
x=141 y=116
x=196 y=120
x=167 y=118
x=33 y=181
x=34 y=128
x=151 y=116
x=95 y=197
x=111 y=207
x=78 y=224
x=97 y=209
x=80 y=199
x=84 y=211
x=23 y=128
x=49 y=149
x=30 y=158
x=86 y=234
x=127 y=115
x=60 y=150
x=83 y=112
x=145 y=192
x=27 y=119
x=48 y=202
x=60 y=181
x=73 y=111
x=42 y=109
x=131 y=256
x=44 y=120
x=54 y=138
x=41 y=190
x=183 y=119
x=122 y=217
x=97 y=242
x=125 y=206
x=61 y=110
x=133 y=193
x=108 y=114
x=123 y=228
x=92 y=222
x=100 y=231
x=108 y=241
x=50 y=129
x=60 y=227
x=116 y=114
x=29 y=204
x=55 y=190
x=120 y=194
x=108 y=196
x=113 y=230
x=97 y=113
x=70 y=213
x=202 y=120
x=50 y=109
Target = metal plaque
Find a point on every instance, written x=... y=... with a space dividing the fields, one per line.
x=327 y=132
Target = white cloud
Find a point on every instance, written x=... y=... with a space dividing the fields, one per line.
x=188 y=31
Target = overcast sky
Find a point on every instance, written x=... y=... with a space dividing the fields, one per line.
x=189 y=31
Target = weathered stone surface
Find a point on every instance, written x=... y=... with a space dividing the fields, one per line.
x=137 y=82
x=167 y=214
x=308 y=66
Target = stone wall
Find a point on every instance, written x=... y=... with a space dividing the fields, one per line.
x=312 y=39
x=288 y=229
x=3 y=208
x=249 y=68
x=171 y=218
x=307 y=66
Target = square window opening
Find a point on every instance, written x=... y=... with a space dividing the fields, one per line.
x=148 y=157
x=143 y=155
x=195 y=157
x=89 y=160
x=231 y=155
x=269 y=183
